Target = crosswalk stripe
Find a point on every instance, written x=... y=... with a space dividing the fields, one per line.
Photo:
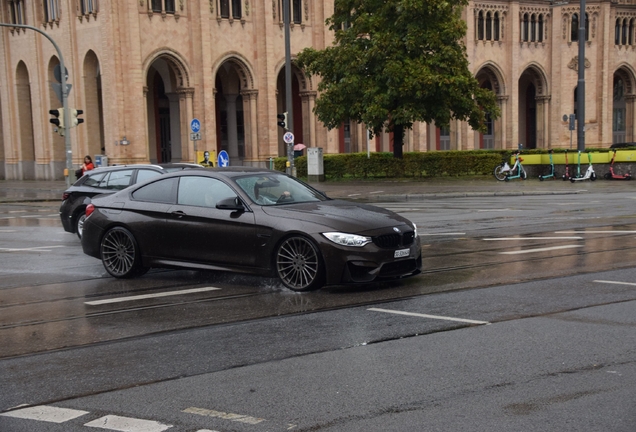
x=127 y=424
x=46 y=413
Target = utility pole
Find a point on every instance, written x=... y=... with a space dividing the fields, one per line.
x=580 y=89
x=67 y=114
x=288 y=85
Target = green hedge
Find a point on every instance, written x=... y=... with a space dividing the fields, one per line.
x=416 y=164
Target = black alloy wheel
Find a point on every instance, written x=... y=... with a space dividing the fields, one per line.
x=120 y=254
x=299 y=265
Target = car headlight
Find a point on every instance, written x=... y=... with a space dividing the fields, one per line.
x=347 y=239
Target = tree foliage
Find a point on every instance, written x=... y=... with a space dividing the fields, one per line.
x=396 y=62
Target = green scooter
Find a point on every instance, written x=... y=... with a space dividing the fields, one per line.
x=551 y=175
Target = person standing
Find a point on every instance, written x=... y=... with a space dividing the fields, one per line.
x=86 y=166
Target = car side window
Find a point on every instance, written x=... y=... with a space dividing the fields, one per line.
x=162 y=191
x=93 y=179
x=202 y=191
x=116 y=180
x=146 y=174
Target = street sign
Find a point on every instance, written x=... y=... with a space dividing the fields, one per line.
x=195 y=126
x=57 y=73
x=223 y=159
x=57 y=88
x=195 y=136
x=288 y=137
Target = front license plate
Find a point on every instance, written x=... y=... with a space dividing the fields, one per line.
x=401 y=253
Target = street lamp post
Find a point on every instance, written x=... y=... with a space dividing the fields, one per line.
x=580 y=89
x=288 y=85
x=67 y=124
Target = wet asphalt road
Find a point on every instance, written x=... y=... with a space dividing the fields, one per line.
x=560 y=332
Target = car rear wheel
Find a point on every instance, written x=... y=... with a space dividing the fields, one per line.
x=79 y=225
x=299 y=264
x=120 y=254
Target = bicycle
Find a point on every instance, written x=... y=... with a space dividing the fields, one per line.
x=501 y=170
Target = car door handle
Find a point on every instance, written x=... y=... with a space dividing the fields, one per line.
x=178 y=213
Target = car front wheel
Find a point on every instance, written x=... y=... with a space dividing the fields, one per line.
x=299 y=264
x=120 y=254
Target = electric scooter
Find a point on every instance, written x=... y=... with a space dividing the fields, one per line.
x=589 y=173
x=551 y=174
x=521 y=172
x=611 y=175
x=566 y=175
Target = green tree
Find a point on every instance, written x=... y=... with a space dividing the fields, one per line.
x=396 y=62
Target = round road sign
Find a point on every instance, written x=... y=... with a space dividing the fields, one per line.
x=288 y=137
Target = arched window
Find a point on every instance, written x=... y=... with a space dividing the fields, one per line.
x=88 y=6
x=51 y=11
x=574 y=33
x=624 y=38
x=533 y=28
x=224 y=9
x=160 y=6
x=480 y=25
x=587 y=27
x=630 y=39
x=540 y=32
x=297 y=16
x=526 y=24
x=236 y=9
x=617 y=32
x=496 y=26
x=488 y=26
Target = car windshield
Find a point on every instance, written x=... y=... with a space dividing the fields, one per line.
x=277 y=189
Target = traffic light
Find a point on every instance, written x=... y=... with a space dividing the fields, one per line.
x=58 y=121
x=74 y=119
x=282 y=120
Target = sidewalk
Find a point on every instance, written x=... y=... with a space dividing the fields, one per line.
x=391 y=190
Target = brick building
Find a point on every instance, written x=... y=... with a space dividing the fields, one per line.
x=141 y=70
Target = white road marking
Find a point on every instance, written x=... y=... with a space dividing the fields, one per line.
x=442 y=234
x=376 y=192
x=147 y=296
x=33 y=249
x=17 y=211
x=532 y=238
x=127 y=424
x=540 y=249
x=499 y=210
x=354 y=194
x=224 y=415
x=8 y=231
x=45 y=413
x=444 y=318
x=615 y=282
x=596 y=232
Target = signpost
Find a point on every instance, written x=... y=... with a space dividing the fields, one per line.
x=223 y=159
x=195 y=127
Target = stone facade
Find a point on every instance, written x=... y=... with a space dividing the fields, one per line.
x=142 y=70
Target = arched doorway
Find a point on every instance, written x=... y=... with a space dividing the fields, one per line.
x=298 y=85
x=533 y=105
x=230 y=115
x=93 y=109
x=166 y=92
x=490 y=77
x=58 y=144
x=623 y=107
x=25 y=119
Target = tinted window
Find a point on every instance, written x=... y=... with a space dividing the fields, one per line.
x=203 y=191
x=93 y=179
x=146 y=174
x=117 y=180
x=162 y=191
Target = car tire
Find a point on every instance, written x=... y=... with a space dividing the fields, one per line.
x=299 y=264
x=120 y=254
x=79 y=224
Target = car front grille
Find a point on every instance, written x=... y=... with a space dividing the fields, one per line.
x=389 y=241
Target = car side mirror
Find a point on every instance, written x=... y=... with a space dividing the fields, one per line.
x=233 y=204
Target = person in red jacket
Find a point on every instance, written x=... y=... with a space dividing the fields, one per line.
x=87 y=166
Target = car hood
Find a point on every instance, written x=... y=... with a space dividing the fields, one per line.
x=340 y=215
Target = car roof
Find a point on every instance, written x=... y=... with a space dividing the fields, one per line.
x=116 y=167
x=234 y=171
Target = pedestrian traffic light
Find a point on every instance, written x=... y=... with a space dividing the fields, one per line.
x=74 y=119
x=58 y=121
x=282 y=120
